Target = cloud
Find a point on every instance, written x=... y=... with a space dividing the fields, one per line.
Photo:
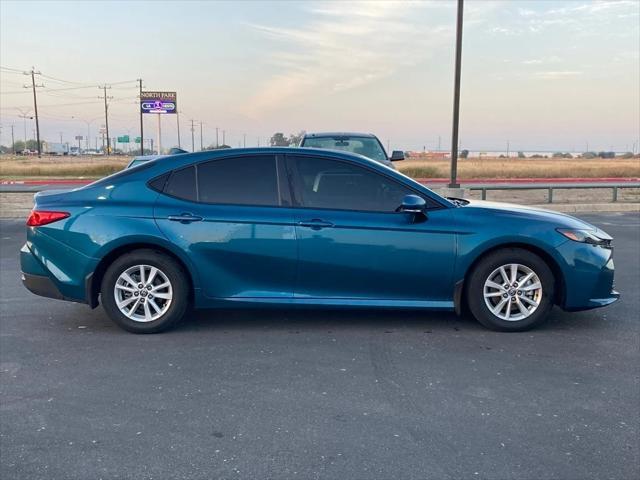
x=554 y=75
x=344 y=46
x=585 y=18
x=540 y=61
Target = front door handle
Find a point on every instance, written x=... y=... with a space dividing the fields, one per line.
x=315 y=224
x=184 y=218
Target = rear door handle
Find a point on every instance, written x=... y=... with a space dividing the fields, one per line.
x=184 y=218
x=315 y=224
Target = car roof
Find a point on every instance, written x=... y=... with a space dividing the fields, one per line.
x=339 y=134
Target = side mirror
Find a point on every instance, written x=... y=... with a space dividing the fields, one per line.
x=412 y=204
x=397 y=155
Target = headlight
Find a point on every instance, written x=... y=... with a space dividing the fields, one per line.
x=592 y=237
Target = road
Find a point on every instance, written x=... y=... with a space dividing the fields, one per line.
x=319 y=394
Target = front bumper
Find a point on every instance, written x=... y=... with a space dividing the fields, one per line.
x=588 y=277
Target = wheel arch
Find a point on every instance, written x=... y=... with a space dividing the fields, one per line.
x=93 y=281
x=460 y=294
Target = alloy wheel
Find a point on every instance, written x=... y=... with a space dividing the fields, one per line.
x=512 y=292
x=143 y=293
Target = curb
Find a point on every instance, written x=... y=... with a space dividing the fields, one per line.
x=590 y=207
x=570 y=180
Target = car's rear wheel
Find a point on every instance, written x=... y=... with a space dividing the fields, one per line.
x=511 y=290
x=145 y=291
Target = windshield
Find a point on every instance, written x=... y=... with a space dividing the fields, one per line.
x=367 y=146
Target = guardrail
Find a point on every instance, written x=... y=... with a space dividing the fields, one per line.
x=550 y=188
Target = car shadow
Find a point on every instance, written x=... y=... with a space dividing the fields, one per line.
x=323 y=320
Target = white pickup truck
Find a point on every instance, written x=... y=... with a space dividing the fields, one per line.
x=366 y=144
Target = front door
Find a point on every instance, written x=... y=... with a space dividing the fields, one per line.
x=353 y=245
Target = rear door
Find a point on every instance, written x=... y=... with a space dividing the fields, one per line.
x=233 y=218
x=353 y=245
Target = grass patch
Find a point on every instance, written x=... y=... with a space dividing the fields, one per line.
x=51 y=167
x=523 y=168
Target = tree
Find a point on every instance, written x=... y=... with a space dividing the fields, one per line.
x=279 y=140
x=32 y=145
x=296 y=138
x=627 y=155
x=464 y=153
x=589 y=155
x=521 y=155
x=19 y=145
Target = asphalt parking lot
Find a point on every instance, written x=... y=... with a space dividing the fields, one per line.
x=320 y=394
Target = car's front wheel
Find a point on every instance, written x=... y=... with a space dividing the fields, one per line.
x=511 y=290
x=145 y=291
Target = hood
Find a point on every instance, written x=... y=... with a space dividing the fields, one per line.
x=533 y=213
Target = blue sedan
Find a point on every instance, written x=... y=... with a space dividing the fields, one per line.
x=304 y=227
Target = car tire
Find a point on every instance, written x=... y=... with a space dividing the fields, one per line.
x=501 y=303
x=145 y=291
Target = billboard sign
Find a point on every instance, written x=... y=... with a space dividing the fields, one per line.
x=123 y=139
x=158 y=102
x=79 y=137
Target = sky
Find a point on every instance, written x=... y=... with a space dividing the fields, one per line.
x=541 y=75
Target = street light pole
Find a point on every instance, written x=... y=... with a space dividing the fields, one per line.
x=456 y=100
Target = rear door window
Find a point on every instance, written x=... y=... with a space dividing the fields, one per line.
x=250 y=180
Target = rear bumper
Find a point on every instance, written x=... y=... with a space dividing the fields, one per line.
x=41 y=285
x=41 y=280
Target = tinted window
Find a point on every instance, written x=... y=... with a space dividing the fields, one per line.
x=240 y=180
x=182 y=184
x=158 y=182
x=338 y=185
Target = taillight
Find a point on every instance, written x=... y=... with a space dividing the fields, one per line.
x=37 y=218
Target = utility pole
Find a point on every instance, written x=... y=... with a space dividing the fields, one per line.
x=193 y=143
x=106 y=116
x=24 y=115
x=224 y=142
x=456 y=100
x=201 y=147
x=141 y=123
x=60 y=137
x=178 y=123
x=244 y=140
x=507 y=148
x=33 y=74
x=217 y=144
x=439 y=143
x=13 y=141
